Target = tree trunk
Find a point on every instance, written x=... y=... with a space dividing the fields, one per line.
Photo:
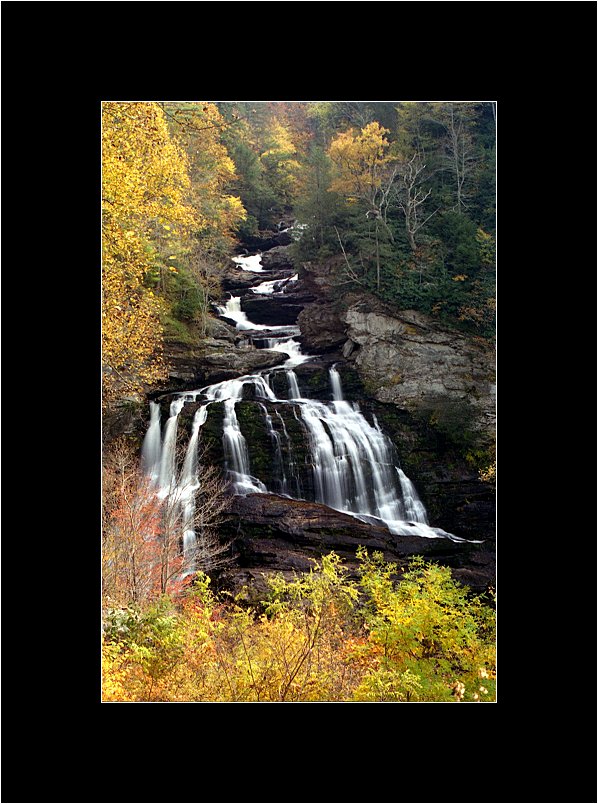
x=377 y=260
x=411 y=237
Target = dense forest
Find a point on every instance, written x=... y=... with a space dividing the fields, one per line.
x=394 y=202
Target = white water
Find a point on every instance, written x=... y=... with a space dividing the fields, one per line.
x=293 y=385
x=252 y=263
x=188 y=486
x=335 y=381
x=232 y=310
x=266 y=288
x=270 y=288
x=166 y=475
x=414 y=508
x=292 y=348
x=234 y=444
x=152 y=446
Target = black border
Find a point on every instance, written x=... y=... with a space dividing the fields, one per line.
x=531 y=746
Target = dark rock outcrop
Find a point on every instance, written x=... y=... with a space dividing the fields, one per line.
x=265 y=240
x=233 y=279
x=277 y=258
x=274 y=311
x=216 y=366
x=321 y=328
x=272 y=533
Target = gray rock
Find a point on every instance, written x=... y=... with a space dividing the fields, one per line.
x=412 y=361
x=240 y=361
x=277 y=258
x=348 y=348
x=321 y=328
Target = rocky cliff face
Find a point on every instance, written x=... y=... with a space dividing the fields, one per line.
x=410 y=360
x=405 y=358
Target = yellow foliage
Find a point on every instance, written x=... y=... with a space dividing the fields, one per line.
x=211 y=170
x=416 y=641
x=361 y=159
x=145 y=186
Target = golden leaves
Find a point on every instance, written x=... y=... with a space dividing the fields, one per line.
x=360 y=159
x=145 y=185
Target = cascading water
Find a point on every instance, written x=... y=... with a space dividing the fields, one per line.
x=293 y=385
x=279 y=463
x=353 y=464
x=152 y=446
x=251 y=263
x=335 y=382
x=292 y=348
x=189 y=484
x=235 y=446
x=166 y=475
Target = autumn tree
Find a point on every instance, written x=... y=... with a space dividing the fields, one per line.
x=146 y=552
x=139 y=559
x=365 y=172
x=145 y=186
x=266 y=141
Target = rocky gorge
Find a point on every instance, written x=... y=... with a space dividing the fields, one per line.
x=428 y=388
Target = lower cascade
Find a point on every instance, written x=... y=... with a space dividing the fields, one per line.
x=354 y=466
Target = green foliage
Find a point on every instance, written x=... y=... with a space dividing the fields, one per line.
x=425 y=631
x=450 y=273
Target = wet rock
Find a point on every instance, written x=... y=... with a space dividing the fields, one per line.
x=280 y=534
x=275 y=311
x=233 y=279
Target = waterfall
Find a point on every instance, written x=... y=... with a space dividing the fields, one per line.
x=152 y=448
x=414 y=508
x=252 y=263
x=293 y=385
x=190 y=463
x=232 y=310
x=233 y=441
x=335 y=381
x=188 y=486
x=279 y=473
x=168 y=459
x=292 y=467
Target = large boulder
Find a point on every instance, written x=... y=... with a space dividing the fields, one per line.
x=233 y=279
x=272 y=310
x=219 y=365
x=277 y=258
x=321 y=328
